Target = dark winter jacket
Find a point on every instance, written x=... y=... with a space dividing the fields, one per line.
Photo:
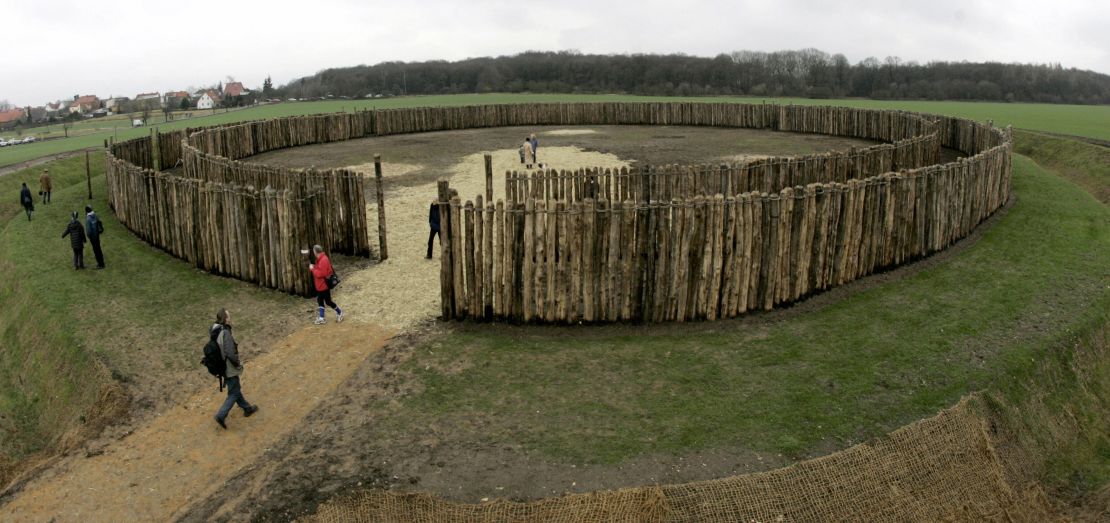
x=25 y=198
x=433 y=216
x=230 y=349
x=76 y=235
x=92 y=225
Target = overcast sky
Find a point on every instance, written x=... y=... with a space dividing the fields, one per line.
x=56 y=49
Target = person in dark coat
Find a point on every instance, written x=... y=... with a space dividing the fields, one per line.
x=535 y=149
x=433 y=225
x=76 y=233
x=27 y=201
x=93 y=229
x=230 y=350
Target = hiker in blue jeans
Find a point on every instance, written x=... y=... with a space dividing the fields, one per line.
x=230 y=350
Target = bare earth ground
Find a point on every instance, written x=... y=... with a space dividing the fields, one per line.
x=157 y=471
x=318 y=431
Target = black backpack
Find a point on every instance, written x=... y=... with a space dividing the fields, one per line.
x=214 y=357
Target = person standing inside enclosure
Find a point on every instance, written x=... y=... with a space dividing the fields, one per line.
x=230 y=350
x=27 y=201
x=529 y=154
x=76 y=235
x=535 y=149
x=93 y=229
x=45 y=185
x=433 y=226
x=321 y=271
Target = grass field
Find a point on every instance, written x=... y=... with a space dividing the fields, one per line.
x=140 y=318
x=107 y=125
x=792 y=383
x=1088 y=121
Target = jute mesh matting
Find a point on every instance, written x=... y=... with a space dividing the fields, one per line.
x=943 y=468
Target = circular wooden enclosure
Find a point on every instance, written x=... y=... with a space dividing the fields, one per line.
x=672 y=243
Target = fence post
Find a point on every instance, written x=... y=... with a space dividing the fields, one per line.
x=382 y=248
x=447 y=284
x=489 y=177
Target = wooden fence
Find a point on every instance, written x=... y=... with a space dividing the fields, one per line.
x=880 y=125
x=764 y=174
x=239 y=219
x=659 y=243
x=169 y=148
x=688 y=243
x=238 y=231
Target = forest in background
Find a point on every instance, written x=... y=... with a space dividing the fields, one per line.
x=798 y=73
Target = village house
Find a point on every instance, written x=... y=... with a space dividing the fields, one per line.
x=235 y=89
x=147 y=96
x=12 y=117
x=112 y=104
x=84 y=104
x=208 y=100
x=173 y=99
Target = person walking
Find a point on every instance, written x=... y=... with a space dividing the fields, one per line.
x=529 y=154
x=535 y=149
x=45 y=185
x=230 y=350
x=433 y=226
x=27 y=201
x=76 y=235
x=321 y=271
x=93 y=229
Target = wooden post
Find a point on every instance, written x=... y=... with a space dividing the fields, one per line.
x=529 y=248
x=489 y=177
x=382 y=248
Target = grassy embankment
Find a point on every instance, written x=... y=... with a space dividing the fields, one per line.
x=794 y=384
x=1080 y=120
x=997 y=317
x=65 y=334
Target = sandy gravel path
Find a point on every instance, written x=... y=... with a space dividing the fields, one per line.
x=404 y=290
x=182 y=456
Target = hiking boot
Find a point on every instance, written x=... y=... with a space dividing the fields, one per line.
x=319 y=321
x=220 y=421
x=247 y=412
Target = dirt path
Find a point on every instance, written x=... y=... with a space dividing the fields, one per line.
x=182 y=456
x=15 y=167
x=404 y=290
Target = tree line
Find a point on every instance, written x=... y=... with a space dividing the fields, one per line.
x=803 y=73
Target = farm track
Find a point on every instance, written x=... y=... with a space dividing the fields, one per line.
x=182 y=456
x=8 y=169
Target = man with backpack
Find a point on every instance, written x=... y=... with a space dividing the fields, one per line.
x=222 y=341
x=93 y=229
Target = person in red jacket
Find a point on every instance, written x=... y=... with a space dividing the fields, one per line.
x=320 y=272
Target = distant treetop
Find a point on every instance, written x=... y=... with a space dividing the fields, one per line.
x=804 y=73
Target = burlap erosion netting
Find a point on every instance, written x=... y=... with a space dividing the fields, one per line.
x=943 y=468
x=982 y=460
